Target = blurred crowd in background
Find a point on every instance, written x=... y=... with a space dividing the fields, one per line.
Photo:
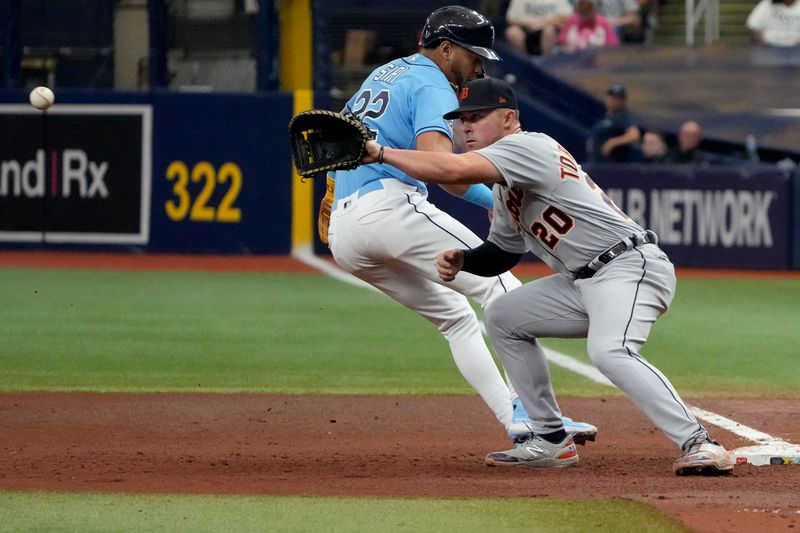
x=541 y=27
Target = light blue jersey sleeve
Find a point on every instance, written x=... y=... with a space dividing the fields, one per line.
x=398 y=101
x=428 y=111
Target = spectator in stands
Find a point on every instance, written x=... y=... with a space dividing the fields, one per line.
x=586 y=28
x=648 y=15
x=532 y=26
x=654 y=147
x=687 y=151
x=775 y=23
x=625 y=16
x=615 y=138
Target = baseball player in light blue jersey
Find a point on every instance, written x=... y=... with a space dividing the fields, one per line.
x=612 y=280
x=384 y=231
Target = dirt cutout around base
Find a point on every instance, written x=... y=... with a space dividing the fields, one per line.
x=401 y=446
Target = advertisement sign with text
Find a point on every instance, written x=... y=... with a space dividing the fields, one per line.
x=75 y=174
x=729 y=217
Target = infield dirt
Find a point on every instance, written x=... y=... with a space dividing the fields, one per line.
x=412 y=446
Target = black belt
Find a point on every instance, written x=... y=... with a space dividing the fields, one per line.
x=615 y=251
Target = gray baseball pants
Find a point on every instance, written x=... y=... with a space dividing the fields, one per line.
x=614 y=310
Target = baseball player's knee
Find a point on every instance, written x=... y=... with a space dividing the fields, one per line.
x=487 y=290
x=503 y=284
x=497 y=317
x=459 y=323
x=606 y=353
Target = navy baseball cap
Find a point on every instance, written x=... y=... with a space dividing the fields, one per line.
x=484 y=93
x=616 y=90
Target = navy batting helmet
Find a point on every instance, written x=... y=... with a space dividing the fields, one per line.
x=463 y=26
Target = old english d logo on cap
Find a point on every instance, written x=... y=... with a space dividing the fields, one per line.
x=483 y=94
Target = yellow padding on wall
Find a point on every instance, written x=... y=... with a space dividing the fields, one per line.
x=302 y=191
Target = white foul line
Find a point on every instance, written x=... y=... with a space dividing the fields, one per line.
x=768 y=447
x=306 y=255
x=579 y=367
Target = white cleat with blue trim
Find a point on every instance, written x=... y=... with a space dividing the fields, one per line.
x=521 y=428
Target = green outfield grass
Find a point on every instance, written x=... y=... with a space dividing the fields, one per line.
x=306 y=333
x=36 y=512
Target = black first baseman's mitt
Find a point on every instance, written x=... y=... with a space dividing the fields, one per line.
x=325 y=140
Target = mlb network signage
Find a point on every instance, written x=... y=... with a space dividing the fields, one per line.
x=76 y=174
x=725 y=217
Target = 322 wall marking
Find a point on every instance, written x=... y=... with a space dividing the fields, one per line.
x=197 y=208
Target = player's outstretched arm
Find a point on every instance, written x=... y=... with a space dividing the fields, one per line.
x=435 y=167
x=436 y=141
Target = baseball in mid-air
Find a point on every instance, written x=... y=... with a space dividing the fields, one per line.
x=42 y=97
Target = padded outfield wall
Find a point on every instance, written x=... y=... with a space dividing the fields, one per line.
x=158 y=172
x=211 y=173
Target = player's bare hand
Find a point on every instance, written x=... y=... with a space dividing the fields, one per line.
x=449 y=263
x=371 y=152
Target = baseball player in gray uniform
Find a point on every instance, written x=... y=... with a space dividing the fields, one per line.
x=612 y=280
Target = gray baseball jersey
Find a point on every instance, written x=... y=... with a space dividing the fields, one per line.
x=551 y=207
